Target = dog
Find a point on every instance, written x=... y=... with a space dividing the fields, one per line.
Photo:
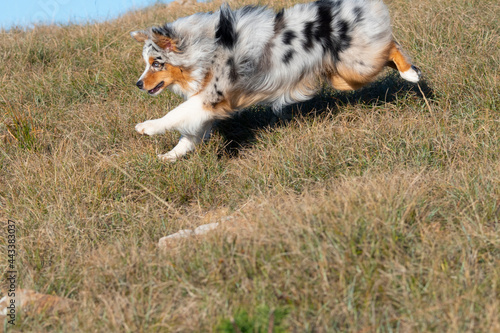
x=228 y=60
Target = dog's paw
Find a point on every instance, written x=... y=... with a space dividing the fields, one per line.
x=149 y=127
x=412 y=75
x=169 y=157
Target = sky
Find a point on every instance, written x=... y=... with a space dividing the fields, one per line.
x=25 y=13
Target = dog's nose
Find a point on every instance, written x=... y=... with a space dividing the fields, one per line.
x=140 y=84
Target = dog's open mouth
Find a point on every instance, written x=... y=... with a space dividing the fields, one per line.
x=156 y=89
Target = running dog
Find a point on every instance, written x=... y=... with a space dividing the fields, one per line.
x=226 y=61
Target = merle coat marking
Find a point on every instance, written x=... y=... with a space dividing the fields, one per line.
x=228 y=60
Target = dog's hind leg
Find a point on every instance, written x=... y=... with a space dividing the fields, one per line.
x=354 y=74
x=339 y=83
x=399 y=61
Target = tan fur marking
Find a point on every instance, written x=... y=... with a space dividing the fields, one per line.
x=240 y=99
x=340 y=84
x=345 y=78
x=397 y=59
x=222 y=109
x=235 y=100
x=139 y=36
x=165 y=42
x=170 y=75
x=206 y=80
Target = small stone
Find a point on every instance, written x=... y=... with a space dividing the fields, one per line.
x=170 y=240
x=203 y=229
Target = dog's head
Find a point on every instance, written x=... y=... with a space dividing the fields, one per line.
x=160 y=47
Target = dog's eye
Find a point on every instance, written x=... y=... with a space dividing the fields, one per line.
x=156 y=64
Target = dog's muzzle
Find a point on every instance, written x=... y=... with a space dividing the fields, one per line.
x=156 y=89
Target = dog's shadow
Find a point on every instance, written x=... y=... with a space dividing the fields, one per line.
x=240 y=131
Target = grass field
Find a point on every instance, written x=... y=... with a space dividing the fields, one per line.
x=372 y=211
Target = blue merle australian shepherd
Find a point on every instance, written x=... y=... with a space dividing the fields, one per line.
x=228 y=60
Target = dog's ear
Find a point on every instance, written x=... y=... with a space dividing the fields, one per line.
x=165 y=42
x=139 y=36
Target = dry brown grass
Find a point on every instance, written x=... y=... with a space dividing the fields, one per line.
x=372 y=211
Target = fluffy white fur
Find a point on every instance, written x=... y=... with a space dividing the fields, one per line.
x=189 y=118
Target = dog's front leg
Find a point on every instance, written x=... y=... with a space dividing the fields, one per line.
x=190 y=118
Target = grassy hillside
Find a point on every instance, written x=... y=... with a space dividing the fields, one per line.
x=377 y=210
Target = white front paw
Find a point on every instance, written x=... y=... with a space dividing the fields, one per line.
x=150 y=127
x=171 y=156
